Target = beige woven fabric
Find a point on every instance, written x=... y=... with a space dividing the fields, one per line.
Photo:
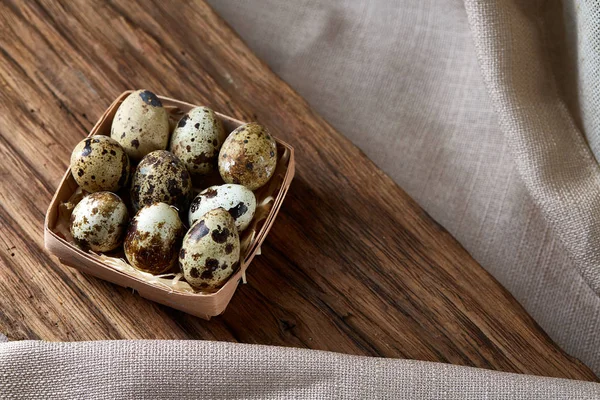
x=401 y=79
x=551 y=154
x=580 y=79
x=213 y=370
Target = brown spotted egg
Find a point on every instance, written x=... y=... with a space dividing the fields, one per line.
x=248 y=156
x=99 y=163
x=197 y=139
x=210 y=251
x=141 y=124
x=154 y=238
x=99 y=221
x=237 y=199
x=161 y=177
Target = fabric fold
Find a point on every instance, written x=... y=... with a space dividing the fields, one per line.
x=403 y=82
x=220 y=370
x=512 y=39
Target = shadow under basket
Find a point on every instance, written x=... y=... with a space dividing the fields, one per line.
x=170 y=292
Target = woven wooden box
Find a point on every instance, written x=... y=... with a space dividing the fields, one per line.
x=204 y=305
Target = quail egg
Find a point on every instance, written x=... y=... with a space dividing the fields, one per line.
x=99 y=221
x=161 y=177
x=237 y=199
x=197 y=139
x=99 y=163
x=248 y=156
x=210 y=251
x=141 y=124
x=153 y=238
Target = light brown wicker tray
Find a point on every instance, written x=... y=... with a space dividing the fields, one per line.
x=204 y=305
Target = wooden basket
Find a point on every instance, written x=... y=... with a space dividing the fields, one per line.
x=204 y=305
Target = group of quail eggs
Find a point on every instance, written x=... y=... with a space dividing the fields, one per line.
x=160 y=190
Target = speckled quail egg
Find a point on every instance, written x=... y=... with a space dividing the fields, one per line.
x=197 y=139
x=99 y=221
x=154 y=238
x=99 y=163
x=141 y=124
x=210 y=251
x=237 y=199
x=161 y=177
x=248 y=156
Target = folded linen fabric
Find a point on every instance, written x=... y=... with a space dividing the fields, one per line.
x=508 y=174
x=220 y=370
x=551 y=153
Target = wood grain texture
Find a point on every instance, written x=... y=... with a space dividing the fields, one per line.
x=352 y=264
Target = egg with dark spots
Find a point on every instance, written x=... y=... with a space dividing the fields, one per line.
x=99 y=222
x=141 y=124
x=238 y=200
x=161 y=177
x=154 y=238
x=196 y=140
x=99 y=163
x=248 y=156
x=210 y=251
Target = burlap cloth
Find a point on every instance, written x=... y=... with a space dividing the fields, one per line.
x=214 y=370
x=480 y=110
x=486 y=112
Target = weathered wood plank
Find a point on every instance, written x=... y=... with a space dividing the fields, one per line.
x=352 y=263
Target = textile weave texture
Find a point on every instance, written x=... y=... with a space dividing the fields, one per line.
x=480 y=111
x=213 y=370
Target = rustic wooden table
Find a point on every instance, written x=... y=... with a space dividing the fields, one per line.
x=351 y=265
